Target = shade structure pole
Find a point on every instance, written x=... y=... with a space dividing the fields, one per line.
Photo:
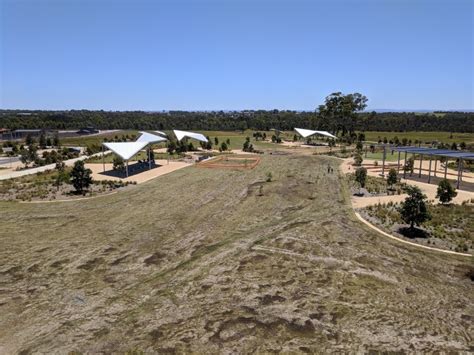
x=462 y=167
x=429 y=171
x=436 y=163
x=103 y=159
x=383 y=161
x=421 y=162
x=398 y=166
x=405 y=168
x=127 y=168
x=446 y=168
x=149 y=158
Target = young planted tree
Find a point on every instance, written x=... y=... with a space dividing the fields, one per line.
x=223 y=147
x=361 y=177
x=446 y=192
x=80 y=176
x=409 y=165
x=358 y=159
x=56 y=142
x=118 y=164
x=414 y=210
x=216 y=141
x=42 y=140
x=392 y=178
x=61 y=176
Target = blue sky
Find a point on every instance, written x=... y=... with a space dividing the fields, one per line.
x=205 y=55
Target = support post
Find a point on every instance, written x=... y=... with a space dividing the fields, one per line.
x=103 y=159
x=398 y=166
x=462 y=167
x=429 y=171
x=383 y=161
x=421 y=162
x=436 y=163
x=404 y=168
x=127 y=168
x=149 y=158
x=446 y=168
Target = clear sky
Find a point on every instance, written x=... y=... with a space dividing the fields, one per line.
x=235 y=54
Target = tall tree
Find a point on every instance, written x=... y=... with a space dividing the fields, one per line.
x=339 y=112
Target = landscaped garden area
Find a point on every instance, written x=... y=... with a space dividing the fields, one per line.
x=62 y=183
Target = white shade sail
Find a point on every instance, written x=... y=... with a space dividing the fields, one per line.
x=181 y=134
x=161 y=133
x=126 y=150
x=150 y=138
x=308 y=132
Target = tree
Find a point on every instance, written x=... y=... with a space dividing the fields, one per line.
x=454 y=146
x=338 y=113
x=216 y=141
x=462 y=145
x=392 y=178
x=223 y=147
x=414 y=209
x=358 y=159
x=247 y=147
x=29 y=139
x=118 y=164
x=62 y=175
x=409 y=165
x=80 y=176
x=29 y=155
x=171 y=147
x=56 y=142
x=446 y=192
x=361 y=177
x=42 y=140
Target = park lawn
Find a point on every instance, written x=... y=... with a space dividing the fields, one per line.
x=199 y=259
x=85 y=141
x=445 y=137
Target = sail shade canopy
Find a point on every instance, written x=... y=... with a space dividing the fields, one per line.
x=308 y=132
x=126 y=150
x=182 y=134
x=150 y=138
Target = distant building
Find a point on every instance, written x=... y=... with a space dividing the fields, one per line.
x=88 y=130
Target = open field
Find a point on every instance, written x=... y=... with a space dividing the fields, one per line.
x=216 y=260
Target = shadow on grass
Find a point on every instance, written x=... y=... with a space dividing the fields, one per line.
x=413 y=233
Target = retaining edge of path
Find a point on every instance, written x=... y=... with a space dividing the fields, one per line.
x=363 y=220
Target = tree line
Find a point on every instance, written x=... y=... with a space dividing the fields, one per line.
x=342 y=119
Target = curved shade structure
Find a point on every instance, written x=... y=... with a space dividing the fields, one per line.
x=161 y=133
x=182 y=134
x=126 y=150
x=308 y=132
x=150 y=138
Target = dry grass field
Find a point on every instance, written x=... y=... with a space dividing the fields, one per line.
x=218 y=260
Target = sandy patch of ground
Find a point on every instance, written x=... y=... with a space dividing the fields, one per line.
x=163 y=168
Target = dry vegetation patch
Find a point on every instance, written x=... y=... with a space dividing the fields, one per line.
x=201 y=260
